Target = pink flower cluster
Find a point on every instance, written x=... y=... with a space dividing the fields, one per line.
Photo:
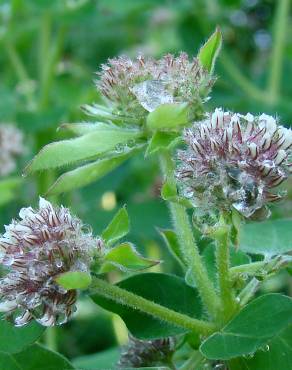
x=35 y=250
x=234 y=160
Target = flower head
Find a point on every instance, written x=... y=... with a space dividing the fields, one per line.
x=35 y=250
x=233 y=160
x=10 y=146
x=140 y=353
x=139 y=86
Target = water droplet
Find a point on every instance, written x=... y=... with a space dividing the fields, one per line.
x=243 y=276
x=249 y=356
x=119 y=148
x=86 y=229
x=151 y=94
x=265 y=348
x=219 y=367
x=59 y=263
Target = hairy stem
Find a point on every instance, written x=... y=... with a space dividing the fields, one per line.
x=132 y=300
x=223 y=267
x=261 y=267
x=248 y=292
x=188 y=244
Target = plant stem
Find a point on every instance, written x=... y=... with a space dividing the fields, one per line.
x=50 y=338
x=223 y=266
x=136 y=302
x=279 y=33
x=193 y=362
x=188 y=245
x=20 y=71
x=248 y=268
x=247 y=293
x=49 y=51
x=243 y=82
x=261 y=267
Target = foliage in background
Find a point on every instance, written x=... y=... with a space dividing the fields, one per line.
x=50 y=50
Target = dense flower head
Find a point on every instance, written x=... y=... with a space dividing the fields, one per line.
x=140 y=353
x=139 y=86
x=35 y=250
x=11 y=145
x=235 y=160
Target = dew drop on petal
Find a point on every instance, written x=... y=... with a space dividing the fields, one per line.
x=151 y=94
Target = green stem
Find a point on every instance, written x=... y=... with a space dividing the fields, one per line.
x=244 y=83
x=49 y=51
x=50 y=338
x=249 y=268
x=223 y=266
x=188 y=245
x=20 y=71
x=261 y=267
x=248 y=292
x=136 y=302
x=279 y=33
x=193 y=362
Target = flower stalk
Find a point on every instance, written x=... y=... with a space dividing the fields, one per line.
x=188 y=244
x=223 y=267
x=136 y=302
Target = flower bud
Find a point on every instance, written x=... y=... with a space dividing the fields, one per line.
x=235 y=161
x=35 y=250
x=136 y=87
x=140 y=353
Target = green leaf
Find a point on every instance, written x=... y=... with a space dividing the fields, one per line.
x=100 y=361
x=88 y=173
x=118 y=227
x=159 y=141
x=14 y=339
x=276 y=355
x=147 y=368
x=125 y=258
x=84 y=128
x=267 y=238
x=98 y=111
x=169 y=193
x=210 y=50
x=168 y=116
x=168 y=290
x=8 y=189
x=74 y=280
x=85 y=147
x=171 y=241
x=35 y=357
x=254 y=326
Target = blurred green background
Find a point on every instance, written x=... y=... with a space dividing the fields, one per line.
x=50 y=50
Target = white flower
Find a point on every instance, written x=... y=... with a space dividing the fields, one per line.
x=234 y=160
x=36 y=249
